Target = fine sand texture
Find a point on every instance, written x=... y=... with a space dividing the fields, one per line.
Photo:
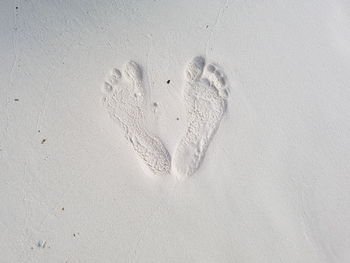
x=175 y=131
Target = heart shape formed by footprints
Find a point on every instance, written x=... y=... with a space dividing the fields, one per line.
x=205 y=94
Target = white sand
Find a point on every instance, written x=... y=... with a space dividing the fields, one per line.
x=272 y=184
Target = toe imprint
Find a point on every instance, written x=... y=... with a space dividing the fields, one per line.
x=133 y=71
x=117 y=74
x=107 y=88
x=195 y=69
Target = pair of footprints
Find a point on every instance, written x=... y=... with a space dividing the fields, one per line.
x=205 y=95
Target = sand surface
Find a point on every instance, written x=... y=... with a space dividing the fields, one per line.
x=249 y=164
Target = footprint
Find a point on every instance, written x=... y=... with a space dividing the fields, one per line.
x=124 y=101
x=205 y=96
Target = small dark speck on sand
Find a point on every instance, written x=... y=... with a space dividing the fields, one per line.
x=206 y=26
x=168 y=81
x=62 y=208
x=43 y=141
x=16 y=99
x=16 y=7
x=177 y=118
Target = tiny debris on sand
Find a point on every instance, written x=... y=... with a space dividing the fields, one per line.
x=42 y=243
